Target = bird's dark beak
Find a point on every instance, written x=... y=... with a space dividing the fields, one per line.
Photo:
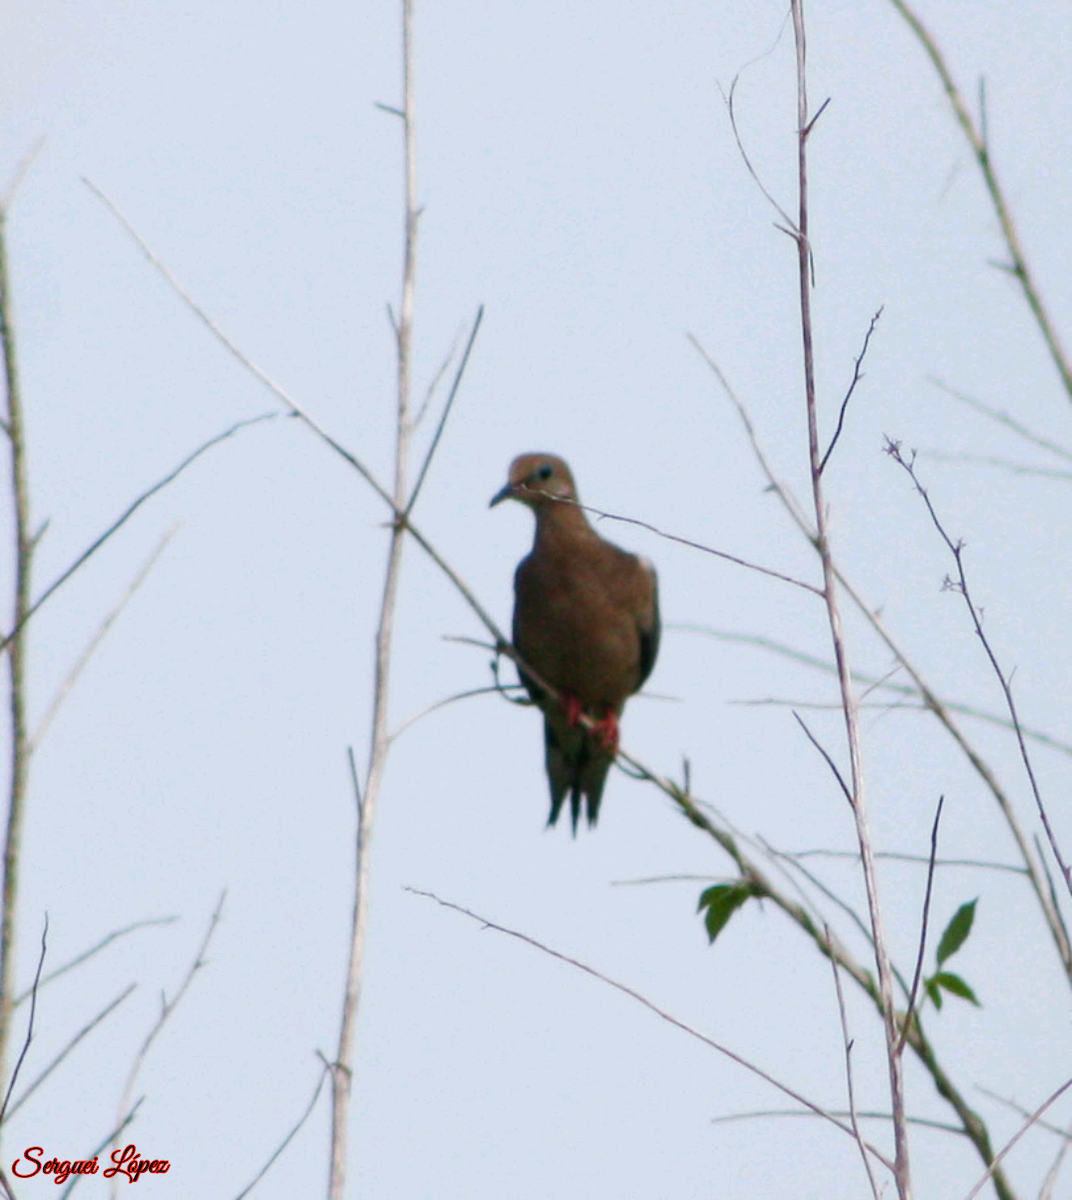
x=503 y=494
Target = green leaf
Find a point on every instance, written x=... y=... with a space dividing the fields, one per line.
x=954 y=984
x=721 y=902
x=934 y=992
x=956 y=932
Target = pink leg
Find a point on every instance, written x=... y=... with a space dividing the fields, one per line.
x=606 y=732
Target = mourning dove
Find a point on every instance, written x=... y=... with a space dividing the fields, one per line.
x=586 y=620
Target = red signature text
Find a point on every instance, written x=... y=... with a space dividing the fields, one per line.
x=127 y=1162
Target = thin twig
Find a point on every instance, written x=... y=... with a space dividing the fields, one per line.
x=109 y=620
x=869 y=1115
x=106 y=1140
x=29 y=1023
x=956 y=549
x=1050 y=1182
x=856 y=376
x=1011 y=1104
x=728 y=100
x=789 y=860
x=21 y=171
x=354 y=780
x=86 y=1029
x=1003 y=418
x=1017 y=1136
x=468 y=694
x=829 y=761
x=96 y=948
x=437 y=378
x=446 y=411
x=167 y=1007
x=683 y=541
x=648 y=1004
x=923 y=925
x=1004 y=464
x=847 y=1043
x=977 y=140
x=125 y=516
x=325 y=1072
x=870 y=681
x=781 y=489
x=920 y=859
x=647 y=879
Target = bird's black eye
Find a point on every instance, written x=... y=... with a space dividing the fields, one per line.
x=545 y=471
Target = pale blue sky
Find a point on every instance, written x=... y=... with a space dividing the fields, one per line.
x=580 y=179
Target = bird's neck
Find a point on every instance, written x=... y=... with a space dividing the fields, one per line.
x=560 y=520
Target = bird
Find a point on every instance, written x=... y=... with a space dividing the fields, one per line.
x=586 y=621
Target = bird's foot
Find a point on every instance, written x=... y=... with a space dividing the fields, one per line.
x=606 y=732
x=573 y=709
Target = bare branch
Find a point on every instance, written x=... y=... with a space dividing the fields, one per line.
x=659 y=1012
x=1004 y=464
x=871 y=681
x=1050 y=1182
x=468 y=694
x=379 y=741
x=437 y=378
x=355 y=781
x=106 y=1140
x=856 y=375
x=94 y=949
x=921 y=859
x=682 y=541
x=894 y=1060
x=870 y=1115
x=125 y=516
x=791 y=860
x=977 y=141
x=21 y=171
x=446 y=412
x=1011 y=1104
x=15 y=645
x=782 y=490
x=829 y=761
x=812 y=123
x=956 y=549
x=29 y=1023
x=909 y=1010
x=287 y=1140
x=98 y=637
x=988 y=1173
x=86 y=1029
x=786 y=220
x=167 y=1007
x=847 y=1042
x=1003 y=418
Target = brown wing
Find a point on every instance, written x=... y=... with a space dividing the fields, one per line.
x=649 y=625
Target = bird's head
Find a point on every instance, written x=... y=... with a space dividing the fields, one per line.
x=537 y=479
